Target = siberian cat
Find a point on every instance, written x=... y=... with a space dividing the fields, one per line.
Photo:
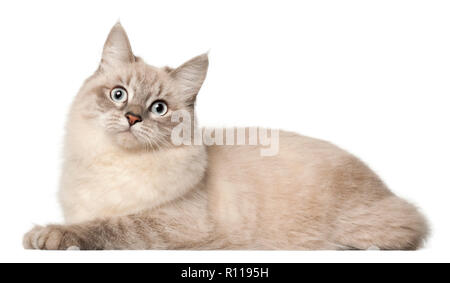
x=125 y=185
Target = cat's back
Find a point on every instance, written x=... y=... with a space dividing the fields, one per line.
x=300 y=163
x=293 y=156
x=307 y=180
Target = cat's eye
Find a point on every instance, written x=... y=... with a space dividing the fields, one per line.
x=159 y=108
x=119 y=95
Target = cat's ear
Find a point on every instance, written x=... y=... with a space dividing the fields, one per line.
x=117 y=49
x=190 y=75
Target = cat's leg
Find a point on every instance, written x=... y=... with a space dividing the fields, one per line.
x=388 y=224
x=140 y=231
x=184 y=224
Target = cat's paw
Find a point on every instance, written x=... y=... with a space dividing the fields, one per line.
x=52 y=237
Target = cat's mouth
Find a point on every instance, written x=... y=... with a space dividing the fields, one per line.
x=127 y=139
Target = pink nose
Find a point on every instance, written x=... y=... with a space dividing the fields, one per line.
x=133 y=118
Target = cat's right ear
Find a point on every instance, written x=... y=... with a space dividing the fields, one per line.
x=117 y=49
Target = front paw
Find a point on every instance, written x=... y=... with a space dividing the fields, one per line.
x=52 y=237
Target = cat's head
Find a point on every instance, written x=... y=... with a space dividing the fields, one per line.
x=133 y=102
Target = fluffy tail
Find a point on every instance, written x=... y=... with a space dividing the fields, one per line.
x=389 y=224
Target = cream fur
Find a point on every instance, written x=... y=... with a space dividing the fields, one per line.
x=101 y=179
x=119 y=193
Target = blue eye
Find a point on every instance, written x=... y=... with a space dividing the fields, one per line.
x=119 y=95
x=159 y=108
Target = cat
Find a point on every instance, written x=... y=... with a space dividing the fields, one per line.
x=125 y=185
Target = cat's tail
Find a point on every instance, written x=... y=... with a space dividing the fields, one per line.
x=388 y=224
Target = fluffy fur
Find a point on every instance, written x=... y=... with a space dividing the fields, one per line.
x=129 y=188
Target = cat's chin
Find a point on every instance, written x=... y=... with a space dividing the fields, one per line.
x=127 y=140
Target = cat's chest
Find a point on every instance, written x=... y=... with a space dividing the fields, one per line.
x=110 y=185
x=119 y=172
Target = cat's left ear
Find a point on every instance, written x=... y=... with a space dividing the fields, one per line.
x=117 y=49
x=191 y=75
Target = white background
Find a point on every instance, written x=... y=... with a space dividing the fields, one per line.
x=371 y=76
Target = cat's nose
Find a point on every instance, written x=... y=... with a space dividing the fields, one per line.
x=133 y=118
